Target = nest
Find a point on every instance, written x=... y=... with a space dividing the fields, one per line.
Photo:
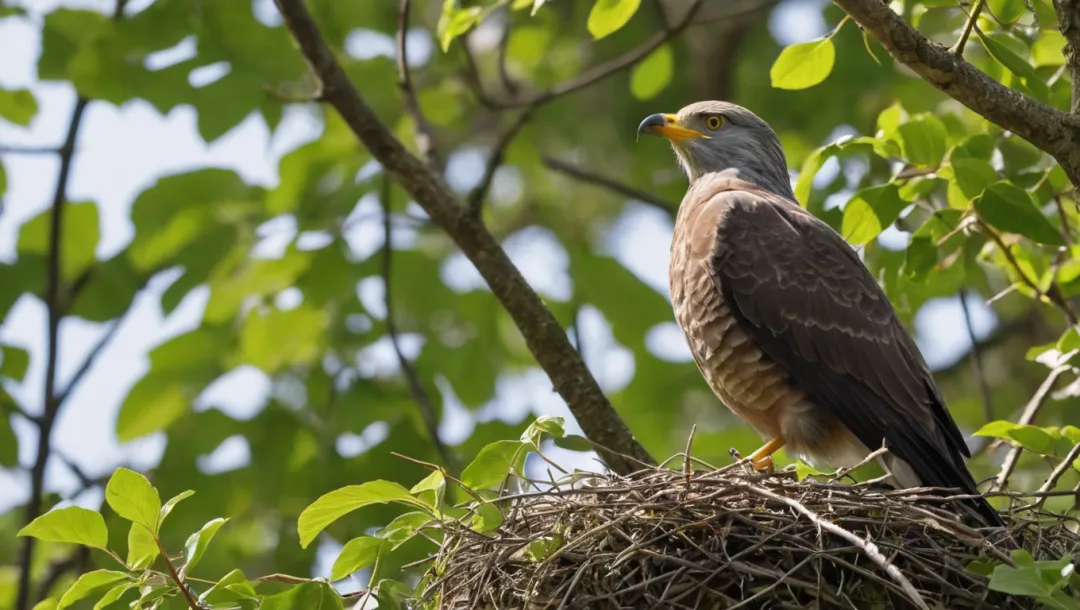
x=730 y=538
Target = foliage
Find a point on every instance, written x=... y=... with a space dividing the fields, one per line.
x=941 y=202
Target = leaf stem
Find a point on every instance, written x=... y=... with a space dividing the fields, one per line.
x=192 y=604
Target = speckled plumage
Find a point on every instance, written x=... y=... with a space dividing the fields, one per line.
x=788 y=327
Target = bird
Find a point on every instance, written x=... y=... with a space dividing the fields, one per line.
x=786 y=324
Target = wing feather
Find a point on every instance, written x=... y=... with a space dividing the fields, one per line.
x=802 y=294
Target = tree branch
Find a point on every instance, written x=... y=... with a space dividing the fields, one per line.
x=1051 y=130
x=609 y=183
x=91 y=358
x=475 y=201
x=425 y=136
x=50 y=402
x=543 y=335
x=1030 y=411
x=976 y=360
x=420 y=395
x=1068 y=13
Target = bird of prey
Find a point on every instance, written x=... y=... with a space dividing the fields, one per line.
x=788 y=327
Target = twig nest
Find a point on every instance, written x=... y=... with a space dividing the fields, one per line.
x=733 y=539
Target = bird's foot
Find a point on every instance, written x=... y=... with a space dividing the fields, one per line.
x=765 y=464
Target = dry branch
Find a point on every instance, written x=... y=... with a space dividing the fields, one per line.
x=543 y=334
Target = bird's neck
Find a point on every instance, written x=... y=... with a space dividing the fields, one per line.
x=778 y=183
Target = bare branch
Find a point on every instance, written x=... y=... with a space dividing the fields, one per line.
x=50 y=402
x=475 y=201
x=91 y=358
x=976 y=360
x=420 y=395
x=1052 y=480
x=425 y=138
x=543 y=334
x=28 y=150
x=1043 y=126
x=973 y=16
x=1030 y=411
x=609 y=183
x=1068 y=14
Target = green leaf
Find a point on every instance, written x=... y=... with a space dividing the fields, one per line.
x=171 y=504
x=153 y=404
x=332 y=506
x=971 y=177
x=15 y=361
x=197 y=543
x=262 y=343
x=431 y=490
x=1032 y=438
x=454 y=22
x=922 y=140
x=1010 y=208
x=113 y=595
x=228 y=589
x=652 y=75
x=487 y=518
x=18 y=106
x=803 y=65
x=46 y=604
x=402 y=528
x=1048 y=49
x=142 y=547
x=73 y=524
x=9 y=443
x=554 y=427
x=80 y=232
x=1007 y=11
x=573 y=442
x=132 y=496
x=91 y=584
x=870 y=212
x=356 y=555
x=493 y=464
x=1038 y=579
x=995 y=44
x=609 y=16
x=309 y=596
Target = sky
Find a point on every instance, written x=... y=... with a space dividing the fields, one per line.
x=121 y=152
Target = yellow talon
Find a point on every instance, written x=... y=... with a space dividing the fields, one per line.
x=761 y=460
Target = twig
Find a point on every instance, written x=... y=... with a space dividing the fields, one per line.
x=192 y=604
x=1066 y=230
x=412 y=377
x=976 y=360
x=1053 y=294
x=867 y=547
x=542 y=332
x=687 y=465
x=28 y=150
x=843 y=472
x=425 y=138
x=958 y=48
x=1026 y=417
x=475 y=201
x=1057 y=473
x=608 y=183
x=91 y=357
x=51 y=405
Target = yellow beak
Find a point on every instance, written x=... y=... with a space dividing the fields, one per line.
x=667 y=125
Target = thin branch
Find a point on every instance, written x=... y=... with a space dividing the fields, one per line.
x=1068 y=15
x=1030 y=411
x=604 y=70
x=976 y=360
x=1052 y=480
x=958 y=48
x=192 y=604
x=1052 y=294
x=28 y=150
x=1045 y=127
x=543 y=334
x=475 y=201
x=1066 y=229
x=425 y=138
x=50 y=402
x=609 y=183
x=420 y=395
x=89 y=361
x=868 y=548
x=508 y=83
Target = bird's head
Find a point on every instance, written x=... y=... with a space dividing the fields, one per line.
x=719 y=136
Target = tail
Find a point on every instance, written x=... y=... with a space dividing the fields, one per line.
x=977 y=507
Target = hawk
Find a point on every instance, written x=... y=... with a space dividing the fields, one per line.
x=788 y=327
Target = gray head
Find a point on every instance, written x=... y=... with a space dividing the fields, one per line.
x=713 y=137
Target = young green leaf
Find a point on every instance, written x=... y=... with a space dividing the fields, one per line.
x=609 y=16
x=403 y=527
x=73 y=524
x=870 y=212
x=309 y=596
x=18 y=106
x=1010 y=208
x=803 y=65
x=171 y=504
x=356 y=555
x=114 y=594
x=651 y=76
x=13 y=362
x=487 y=518
x=46 y=604
x=91 y=584
x=1032 y=438
x=573 y=442
x=142 y=547
x=332 y=506
x=221 y=592
x=454 y=22
x=132 y=496
x=492 y=464
x=923 y=139
x=196 y=544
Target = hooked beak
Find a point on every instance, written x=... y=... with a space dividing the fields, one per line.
x=667 y=125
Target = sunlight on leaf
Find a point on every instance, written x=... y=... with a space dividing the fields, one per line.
x=73 y=524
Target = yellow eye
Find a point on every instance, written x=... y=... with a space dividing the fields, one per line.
x=714 y=122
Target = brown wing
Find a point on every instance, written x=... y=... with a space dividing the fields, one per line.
x=802 y=294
